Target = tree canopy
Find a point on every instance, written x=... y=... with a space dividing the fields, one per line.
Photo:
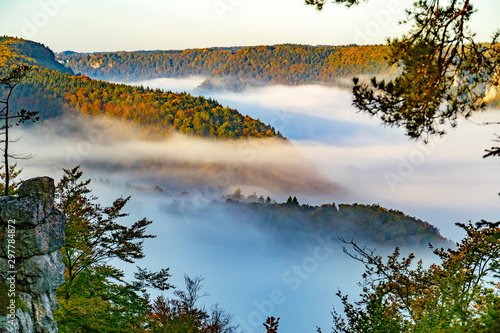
x=95 y=297
x=238 y=68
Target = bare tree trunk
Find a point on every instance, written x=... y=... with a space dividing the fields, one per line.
x=11 y=80
x=6 y=151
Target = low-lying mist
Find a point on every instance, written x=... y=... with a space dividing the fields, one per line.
x=333 y=154
x=443 y=182
x=246 y=269
x=179 y=163
x=251 y=271
x=173 y=84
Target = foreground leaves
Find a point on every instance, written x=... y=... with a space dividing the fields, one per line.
x=460 y=293
x=95 y=297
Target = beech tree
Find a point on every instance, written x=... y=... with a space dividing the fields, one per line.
x=458 y=293
x=95 y=296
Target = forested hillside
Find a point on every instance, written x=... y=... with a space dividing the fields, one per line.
x=297 y=64
x=16 y=51
x=237 y=68
x=52 y=90
x=130 y=66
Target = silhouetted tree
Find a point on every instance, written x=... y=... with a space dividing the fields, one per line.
x=271 y=324
x=220 y=321
x=183 y=315
x=292 y=202
x=8 y=82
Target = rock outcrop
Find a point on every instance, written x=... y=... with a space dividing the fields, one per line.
x=31 y=233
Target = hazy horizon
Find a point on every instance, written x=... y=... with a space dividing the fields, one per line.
x=162 y=25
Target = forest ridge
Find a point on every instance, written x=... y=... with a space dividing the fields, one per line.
x=238 y=67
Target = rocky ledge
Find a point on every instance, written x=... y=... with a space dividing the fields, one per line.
x=31 y=233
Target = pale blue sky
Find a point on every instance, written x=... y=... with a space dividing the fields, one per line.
x=112 y=25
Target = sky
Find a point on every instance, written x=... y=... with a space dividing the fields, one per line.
x=115 y=25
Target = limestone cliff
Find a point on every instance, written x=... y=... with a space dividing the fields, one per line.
x=31 y=233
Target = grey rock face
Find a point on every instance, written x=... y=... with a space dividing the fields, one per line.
x=31 y=233
x=40 y=189
x=40 y=239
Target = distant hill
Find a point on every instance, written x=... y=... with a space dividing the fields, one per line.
x=238 y=68
x=295 y=224
x=141 y=65
x=298 y=64
x=54 y=90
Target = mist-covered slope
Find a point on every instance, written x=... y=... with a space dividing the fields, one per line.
x=52 y=90
x=296 y=225
x=237 y=68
